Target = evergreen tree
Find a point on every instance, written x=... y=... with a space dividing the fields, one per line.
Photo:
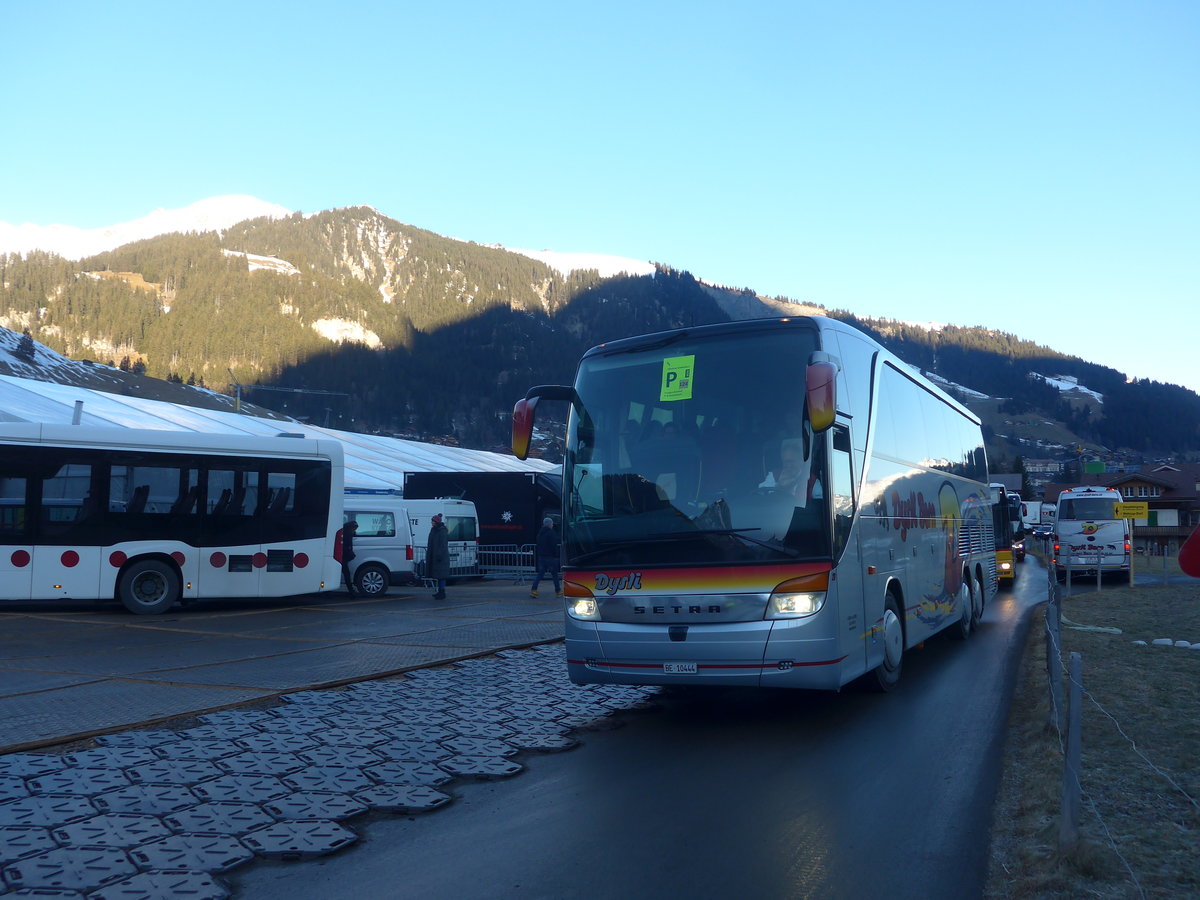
x=25 y=348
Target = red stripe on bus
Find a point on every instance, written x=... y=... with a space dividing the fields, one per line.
x=658 y=665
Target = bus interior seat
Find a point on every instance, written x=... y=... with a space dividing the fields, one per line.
x=185 y=504
x=221 y=507
x=280 y=499
x=137 y=502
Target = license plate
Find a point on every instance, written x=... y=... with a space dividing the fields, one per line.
x=679 y=668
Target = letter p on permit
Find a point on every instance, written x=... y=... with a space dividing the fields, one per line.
x=677 y=378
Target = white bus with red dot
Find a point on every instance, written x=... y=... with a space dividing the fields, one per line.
x=155 y=518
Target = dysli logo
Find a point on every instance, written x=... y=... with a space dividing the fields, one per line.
x=609 y=585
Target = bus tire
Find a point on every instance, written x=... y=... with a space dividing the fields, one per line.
x=977 y=601
x=966 y=620
x=886 y=675
x=371 y=580
x=148 y=587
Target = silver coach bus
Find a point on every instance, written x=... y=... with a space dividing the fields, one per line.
x=774 y=502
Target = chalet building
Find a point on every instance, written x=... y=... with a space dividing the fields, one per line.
x=1172 y=492
x=1039 y=472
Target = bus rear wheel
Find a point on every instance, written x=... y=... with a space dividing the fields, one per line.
x=886 y=675
x=967 y=618
x=148 y=587
x=371 y=580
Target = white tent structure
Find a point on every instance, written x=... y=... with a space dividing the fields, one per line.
x=371 y=461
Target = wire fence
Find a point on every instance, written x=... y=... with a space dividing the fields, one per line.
x=1066 y=720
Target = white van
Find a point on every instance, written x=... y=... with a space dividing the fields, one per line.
x=384 y=549
x=462 y=521
x=1088 y=535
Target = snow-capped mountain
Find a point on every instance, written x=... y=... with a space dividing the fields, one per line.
x=213 y=214
x=219 y=213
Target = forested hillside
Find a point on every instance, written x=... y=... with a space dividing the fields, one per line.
x=397 y=329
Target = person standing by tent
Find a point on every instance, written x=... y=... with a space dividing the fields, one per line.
x=437 y=556
x=348 y=531
x=547 y=557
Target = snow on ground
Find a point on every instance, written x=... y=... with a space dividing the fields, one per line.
x=1067 y=383
x=945 y=383
x=213 y=214
x=606 y=265
x=269 y=263
x=342 y=331
x=942 y=382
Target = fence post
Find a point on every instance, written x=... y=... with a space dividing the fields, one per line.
x=1053 y=655
x=1068 y=823
x=1054 y=665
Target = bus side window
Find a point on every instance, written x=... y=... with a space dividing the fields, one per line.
x=281 y=488
x=12 y=505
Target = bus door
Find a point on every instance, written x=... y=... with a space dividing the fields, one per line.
x=233 y=555
x=66 y=554
x=847 y=579
x=16 y=545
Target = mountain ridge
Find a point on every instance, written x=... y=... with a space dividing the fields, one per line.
x=426 y=333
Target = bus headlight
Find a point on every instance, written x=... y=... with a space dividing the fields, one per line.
x=583 y=608
x=795 y=604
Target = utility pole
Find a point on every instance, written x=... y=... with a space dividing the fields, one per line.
x=237 y=400
x=286 y=390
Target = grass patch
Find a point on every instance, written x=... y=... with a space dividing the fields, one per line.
x=1139 y=832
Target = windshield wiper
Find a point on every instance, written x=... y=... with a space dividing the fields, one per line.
x=737 y=533
x=675 y=536
x=628 y=542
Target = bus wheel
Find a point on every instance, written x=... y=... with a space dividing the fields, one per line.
x=148 y=587
x=976 y=603
x=966 y=619
x=887 y=674
x=371 y=580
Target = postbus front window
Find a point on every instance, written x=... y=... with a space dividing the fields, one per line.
x=697 y=452
x=1088 y=508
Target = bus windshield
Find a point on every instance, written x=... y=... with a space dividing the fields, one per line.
x=696 y=451
x=1088 y=508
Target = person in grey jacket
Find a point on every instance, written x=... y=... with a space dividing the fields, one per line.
x=437 y=556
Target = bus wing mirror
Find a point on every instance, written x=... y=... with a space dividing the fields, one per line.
x=523 y=414
x=821 y=393
x=522 y=426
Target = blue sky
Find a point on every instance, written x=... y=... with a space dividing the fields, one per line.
x=1026 y=166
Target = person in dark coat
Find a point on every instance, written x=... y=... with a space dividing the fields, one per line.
x=348 y=531
x=547 y=557
x=437 y=556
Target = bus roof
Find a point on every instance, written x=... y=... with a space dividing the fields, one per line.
x=167 y=441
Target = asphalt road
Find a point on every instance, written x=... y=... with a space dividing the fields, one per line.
x=729 y=794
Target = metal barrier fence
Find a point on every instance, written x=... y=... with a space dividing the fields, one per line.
x=493 y=560
x=507 y=561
